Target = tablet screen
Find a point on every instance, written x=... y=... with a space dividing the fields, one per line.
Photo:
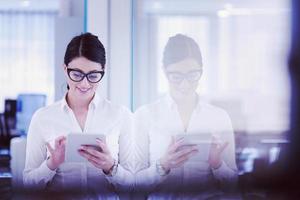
x=202 y=141
x=76 y=140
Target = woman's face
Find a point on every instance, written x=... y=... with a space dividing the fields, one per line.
x=183 y=77
x=83 y=89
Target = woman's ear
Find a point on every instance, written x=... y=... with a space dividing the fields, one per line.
x=65 y=68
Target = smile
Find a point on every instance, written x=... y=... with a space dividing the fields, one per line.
x=83 y=89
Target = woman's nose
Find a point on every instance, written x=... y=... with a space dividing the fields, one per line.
x=85 y=82
x=185 y=83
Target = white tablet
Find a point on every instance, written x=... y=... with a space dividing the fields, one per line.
x=202 y=141
x=76 y=140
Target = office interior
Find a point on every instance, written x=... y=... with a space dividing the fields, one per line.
x=244 y=44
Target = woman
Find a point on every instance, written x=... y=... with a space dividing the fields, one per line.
x=166 y=164
x=81 y=110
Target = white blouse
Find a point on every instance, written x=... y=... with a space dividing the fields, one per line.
x=154 y=124
x=58 y=119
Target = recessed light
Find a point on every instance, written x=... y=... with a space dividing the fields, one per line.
x=25 y=3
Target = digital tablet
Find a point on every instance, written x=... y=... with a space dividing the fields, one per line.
x=202 y=141
x=76 y=140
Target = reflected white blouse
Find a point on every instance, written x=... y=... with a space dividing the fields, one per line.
x=154 y=124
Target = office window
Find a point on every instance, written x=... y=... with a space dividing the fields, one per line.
x=27 y=52
x=244 y=48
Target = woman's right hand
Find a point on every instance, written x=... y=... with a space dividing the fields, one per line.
x=57 y=155
x=176 y=156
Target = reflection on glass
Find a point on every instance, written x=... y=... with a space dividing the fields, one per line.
x=190 y=151
x=244 y=47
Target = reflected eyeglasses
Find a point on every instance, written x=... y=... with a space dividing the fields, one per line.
x=77 y=75
x=177 y=77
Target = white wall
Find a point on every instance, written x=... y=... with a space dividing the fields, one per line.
x=97 y=23
x=65 y=29
x=111 y=21
x=69 y=24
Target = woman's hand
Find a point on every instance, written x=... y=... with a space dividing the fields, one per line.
x=100 y=159
x=177 y=154
x=57 y=155
x=216 y=149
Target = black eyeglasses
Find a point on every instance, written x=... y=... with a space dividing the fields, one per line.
x=77 y=75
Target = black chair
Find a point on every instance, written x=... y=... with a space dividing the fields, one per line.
x=7 y=122
x=4 y=146
x=1 y=125
x=4 y=133
x=6 y=125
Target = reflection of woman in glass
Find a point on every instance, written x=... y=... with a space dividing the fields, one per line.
x=82 y=110
x=166 y=164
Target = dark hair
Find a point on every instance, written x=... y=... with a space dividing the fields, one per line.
x=180 y=47
x=86 y=45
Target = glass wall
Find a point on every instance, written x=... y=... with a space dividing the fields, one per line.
x=244 y=46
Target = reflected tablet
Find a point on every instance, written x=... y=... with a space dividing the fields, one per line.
x=203 y=142
x=75 y=140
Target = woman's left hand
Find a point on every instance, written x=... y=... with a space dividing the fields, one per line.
x=100 y=159
x=216 y=149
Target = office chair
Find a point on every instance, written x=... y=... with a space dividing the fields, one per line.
x=5 y=131
x=1 y=127
x=4 y=137
x=4 y=146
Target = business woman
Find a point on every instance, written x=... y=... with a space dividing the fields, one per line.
x=81 y=110
x=166 y=168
